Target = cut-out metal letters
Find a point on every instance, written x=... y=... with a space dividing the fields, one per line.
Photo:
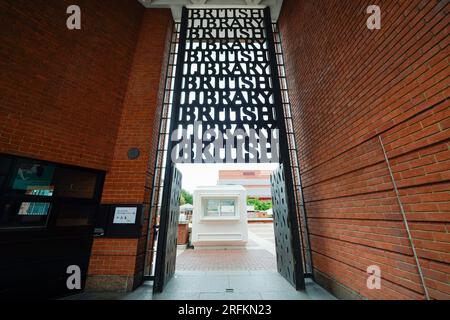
x=226 y=108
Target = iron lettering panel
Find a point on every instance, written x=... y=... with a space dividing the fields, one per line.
x=227 y=110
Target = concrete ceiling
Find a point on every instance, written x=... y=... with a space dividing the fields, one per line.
x=176 y=5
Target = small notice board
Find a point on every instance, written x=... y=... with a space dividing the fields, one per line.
x=121 y=220
x=125 y=215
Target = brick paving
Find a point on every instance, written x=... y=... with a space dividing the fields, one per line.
x=258 y=255
x=234 y=259
x=234 y=274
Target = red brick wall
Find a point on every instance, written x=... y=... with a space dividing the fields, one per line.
x=62 y=91
x=85 y=97
x=183 y=233
x=129 y=181
x=348 y=86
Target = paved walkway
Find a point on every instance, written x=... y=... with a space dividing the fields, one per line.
x=225 y=260
x=237 y=285
x=219 y=285
x=235 y=274
x=259 y=254
x=262 y=234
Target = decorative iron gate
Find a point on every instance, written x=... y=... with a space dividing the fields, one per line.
x=167 y=239
x=227 y=106
x=287 y=259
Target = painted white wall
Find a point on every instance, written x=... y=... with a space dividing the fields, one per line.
x=219 y=231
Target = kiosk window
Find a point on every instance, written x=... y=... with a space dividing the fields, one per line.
x=220 y=208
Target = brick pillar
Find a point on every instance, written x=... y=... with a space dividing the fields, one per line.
x=118 y=264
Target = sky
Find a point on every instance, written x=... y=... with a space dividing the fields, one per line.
x=195 y=175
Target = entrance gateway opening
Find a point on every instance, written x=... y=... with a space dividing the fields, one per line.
x=226 y=102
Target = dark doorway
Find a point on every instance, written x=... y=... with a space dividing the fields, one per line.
x=47 y=213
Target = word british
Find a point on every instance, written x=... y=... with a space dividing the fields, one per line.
x=207 y=144
x=226 y=109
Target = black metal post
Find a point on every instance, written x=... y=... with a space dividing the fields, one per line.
x=284 y=153
x=165 y=207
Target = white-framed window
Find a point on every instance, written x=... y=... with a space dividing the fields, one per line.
x=220 y=208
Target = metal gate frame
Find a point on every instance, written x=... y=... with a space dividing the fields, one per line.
x=285 y=156
x=284 y=151
x=160 y=278
x=167 y=242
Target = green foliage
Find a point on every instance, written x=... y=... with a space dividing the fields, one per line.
x=185 y=197
x=259 y=205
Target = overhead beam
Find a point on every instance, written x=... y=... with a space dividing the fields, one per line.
x=176 y=5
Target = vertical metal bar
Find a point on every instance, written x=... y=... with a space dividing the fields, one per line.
x=284 y=153
x=165 y=206
x=405 y=220
x=155 y=165
x=301 y=202
x=160 y=151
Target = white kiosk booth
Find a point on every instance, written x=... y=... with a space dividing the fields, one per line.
x=219 y=219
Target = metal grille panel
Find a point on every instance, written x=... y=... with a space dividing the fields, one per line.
x=228 y=76
x=169 y=235
x=227 y=110
x=282 y=226
x=294 y=163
